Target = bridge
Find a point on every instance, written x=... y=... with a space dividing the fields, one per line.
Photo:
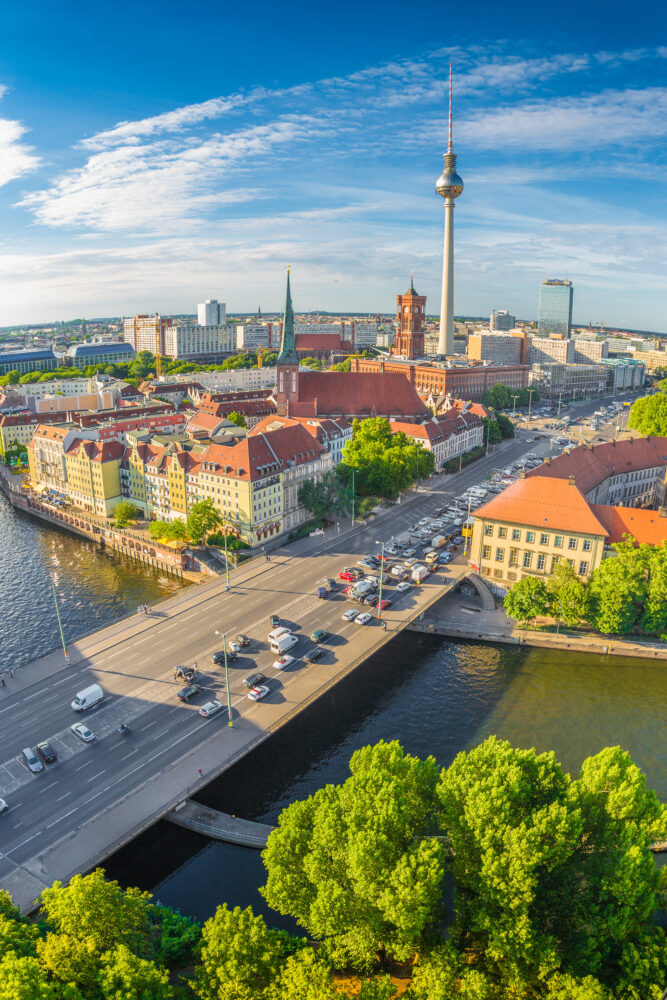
x=98 y=796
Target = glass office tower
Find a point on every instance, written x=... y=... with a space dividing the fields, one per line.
x=555 y=312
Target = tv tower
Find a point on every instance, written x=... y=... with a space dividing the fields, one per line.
x=449 y=186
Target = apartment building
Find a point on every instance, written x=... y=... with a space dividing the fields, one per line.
x=145 y=333
x=93 y=474
x=447 y=435
x=544 y=350
x=500 y=348
x=586 y=351
x=204 y=344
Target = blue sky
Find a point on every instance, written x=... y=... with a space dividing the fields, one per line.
x=153 y=155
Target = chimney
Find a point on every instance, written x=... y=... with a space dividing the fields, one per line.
x=662 y=511
x=547 y=460
x=315 y=405
x=572 y=480
x=522 y=473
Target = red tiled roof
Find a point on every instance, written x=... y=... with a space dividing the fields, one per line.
x=97 y=451
x=318 y=341
x=544 y=503
x=321 y=428
x=646 y=526
x=203 y=421
x=592 y=465
x=357 y=394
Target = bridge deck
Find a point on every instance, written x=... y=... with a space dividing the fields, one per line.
x=219 y=825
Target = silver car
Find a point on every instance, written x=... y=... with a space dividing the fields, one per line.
x=82 y=732
x=32 y=760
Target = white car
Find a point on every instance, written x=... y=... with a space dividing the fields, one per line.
x=403 y=586
x=210 y=708
x=3 y=806
x=233 y=646
x=350 y=615
x=284 y=661
x=258 y=693
x=82 y=732
x=363 y=618
x=409 y=563
x=397 y=570
x=409 y=552
x=423 y=521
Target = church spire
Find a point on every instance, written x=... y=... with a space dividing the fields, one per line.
x=288 y=355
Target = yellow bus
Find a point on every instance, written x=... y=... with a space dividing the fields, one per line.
x=466 y=530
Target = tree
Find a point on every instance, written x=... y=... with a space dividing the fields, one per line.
x=385 y=463
x=551 y=874
x=527 y=599
x=654 y=616
x=237 y=418
x=239 y=952
x=356 y=864
x=443 y=974
x=124 y=512
x=498 y=396
x=23 y=979
x=505 y=426
x=124 y=976
x=143 y=365
x=202 y=519
x=648 y=415
x=568 y=596
x=169 y=531
x=99 y=911
x=313 y=363
x=177 y=936
x=13 y=377
x=342 y=366
x=619 y=588
x=304 y=976
x=492 y=433
x=71 y=960
x=17 y=936
x=327 y=498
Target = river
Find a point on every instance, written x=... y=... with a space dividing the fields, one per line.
x=435 y=696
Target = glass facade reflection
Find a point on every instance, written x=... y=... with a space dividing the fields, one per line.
x=555 y=312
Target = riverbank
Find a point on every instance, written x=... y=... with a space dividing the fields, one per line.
x=459 y=616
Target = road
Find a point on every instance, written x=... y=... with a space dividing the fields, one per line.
x=98 y=795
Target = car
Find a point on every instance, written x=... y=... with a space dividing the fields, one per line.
x=409 y=552
x=363 y=619
x=233 y=646
x=423 y=521
x=384 y=604
x=258 y=693
x=211 y=708
x=275 y=621
x=242 y=639
x=188 y=692
x=283 y=661
x=445 y=557
x=403 y=586
x=82 y=732
x=347 y=576
x=46 y=752
x=371 y=600
x=354 y=570
x=320 y=635
x=254 y=680
x=397 y=570
x=3 y=806
x=409 y=563
x=350 y=614
x=365 y=565
x=218 y=656
x=315 y=654
x=458 y=540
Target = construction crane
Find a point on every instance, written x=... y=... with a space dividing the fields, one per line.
x=260 y=355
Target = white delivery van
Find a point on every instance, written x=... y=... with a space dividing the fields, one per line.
x=362 y=588
x=419 y=573
x=438 y=541
x=283 y=643
x=88 y=698
x=278 y=633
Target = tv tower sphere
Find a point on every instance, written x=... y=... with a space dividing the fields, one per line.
x=449 y=184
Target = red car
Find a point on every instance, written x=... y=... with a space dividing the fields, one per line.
x=383 y=604
x=349 y=577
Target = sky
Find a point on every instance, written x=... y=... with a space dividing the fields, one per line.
x=155 y=155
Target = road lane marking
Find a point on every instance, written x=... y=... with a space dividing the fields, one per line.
x=87 y=764
x=46 y=787
x=131 y=754
x=153 y=723
x=63 y=796
x=96 y=775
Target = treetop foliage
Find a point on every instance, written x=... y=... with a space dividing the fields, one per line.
x=384 y=463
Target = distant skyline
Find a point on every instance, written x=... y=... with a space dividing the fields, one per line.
x=153 y=156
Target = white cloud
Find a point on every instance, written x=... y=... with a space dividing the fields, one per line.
x=170 y=121
x=16 y=158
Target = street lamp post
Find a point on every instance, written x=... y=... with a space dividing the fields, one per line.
x=560 y=400
x=60 y=624
x=514 y=406
x=465 y=547
x=226 y=561
x=223 y=636
x=530 y=400
x=353 y=472
x=381 y=576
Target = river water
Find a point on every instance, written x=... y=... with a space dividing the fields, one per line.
x=435 y=696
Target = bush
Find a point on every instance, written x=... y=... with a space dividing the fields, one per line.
x=454 y=464
x=233 y=543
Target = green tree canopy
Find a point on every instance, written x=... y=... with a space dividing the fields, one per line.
x=568 y=595
x=648 y=414
x=356 y=864
x=24 y=979
x=202 y=519
x=125 y=976
x=527 y=599
x=125 y=511
x=329 y=497
x=237 y=418
x=304 y=976
x=385 y=463
x=169 y=531
x=619 y=588
x=505 y=426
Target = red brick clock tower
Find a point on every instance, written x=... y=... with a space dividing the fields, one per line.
x=410 y=310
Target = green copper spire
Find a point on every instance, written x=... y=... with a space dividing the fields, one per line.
x=288 y=355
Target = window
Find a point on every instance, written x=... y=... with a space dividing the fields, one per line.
x=554 y=562
x=544 y=539
x=516 y=534
x=502 y=532
x=488 y=529
x=572 y=543
x=587 y=545
x=486 y=552
x=558 y=541
x=500 y=554
x=530 y=536
x=514 y=557
x=527 y=557
x=497 y=573
x=570 y=562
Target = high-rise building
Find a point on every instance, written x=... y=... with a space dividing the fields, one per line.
x=211 y=313
x=449 y=186
x=555 y=310
x=145 y=332
x=502 y=320
x=410 y=310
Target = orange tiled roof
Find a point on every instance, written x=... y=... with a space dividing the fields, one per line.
x=357 y=394
x=646 y=526
x=592 y=465
x=544 y=503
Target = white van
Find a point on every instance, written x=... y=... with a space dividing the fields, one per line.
x=362 y=588
x=88 y=698
x=283 y=643
x=278 y=633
